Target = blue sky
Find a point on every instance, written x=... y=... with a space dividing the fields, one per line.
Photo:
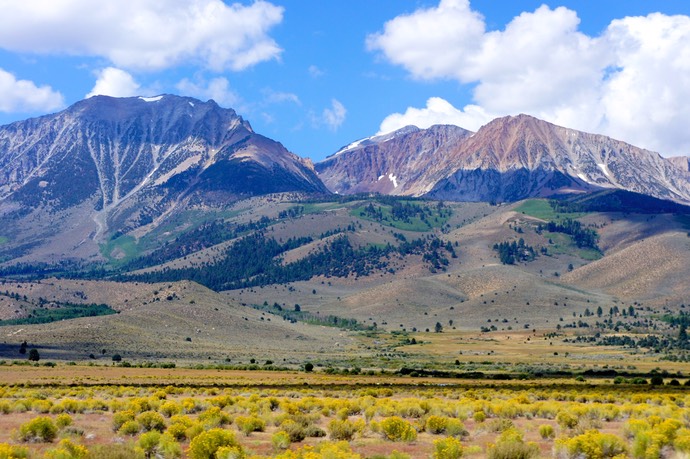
x=317 y=75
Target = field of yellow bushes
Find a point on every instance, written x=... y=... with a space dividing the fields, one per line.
x=379 y=419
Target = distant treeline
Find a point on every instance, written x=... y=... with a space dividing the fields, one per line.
x=206 y=235
x=60 y=311
x=617 y=201
x=255 y=260
x=297 y=315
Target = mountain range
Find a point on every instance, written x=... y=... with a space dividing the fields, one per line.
x=509 y=159
x=107 y=167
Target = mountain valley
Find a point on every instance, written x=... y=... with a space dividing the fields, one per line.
x=189 y=237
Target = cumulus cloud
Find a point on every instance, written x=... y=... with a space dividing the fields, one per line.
x=115 y=83
x=25 y=96
x=437 y=111
x=334 y=116
x=145 y=34
x=628 y=82
x=217 y=89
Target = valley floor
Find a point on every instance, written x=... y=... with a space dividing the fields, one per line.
x=101 y=412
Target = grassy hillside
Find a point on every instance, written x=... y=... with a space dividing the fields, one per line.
x=291 y=278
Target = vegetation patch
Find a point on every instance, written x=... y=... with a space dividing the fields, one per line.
x=120 y=249
x=511 y=252
x=544 y=210
x=405 y=215
x=53 y=312
x=297 y=315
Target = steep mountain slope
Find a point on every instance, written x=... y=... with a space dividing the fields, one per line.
x=508 y=159
x=111 y=165
x=682 y=162
x=400 y=163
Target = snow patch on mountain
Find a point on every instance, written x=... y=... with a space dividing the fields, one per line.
x=376 y=139
x=604 y=169
x=151 y=99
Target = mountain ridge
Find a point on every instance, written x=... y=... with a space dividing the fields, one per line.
x=513 y=158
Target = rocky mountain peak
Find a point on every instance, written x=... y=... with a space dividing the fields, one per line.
x=123 y=163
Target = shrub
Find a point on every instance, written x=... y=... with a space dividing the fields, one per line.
x=151 y=420
x=455 y=428
x=168 y=448
x=591 y=444
x=67 y=450
x=499 y=425
x=63 y=420
x=13 y=452
x=479 y=416
x=546 y=431
x=280 y=440
x=206 y=444
x=342 y=430
x=214 y=417
x=169 y=409
x=249 y=424
x=447 y=448
x=436 y=424
x=41 y=429
x=41 y=406
x=120 y=417
x=682 y=441
x=330 y=450
x=397 y=429
x=148 y=442
x=566 y=420
x=295 y=431
x=178 y=427
x=229 y=452
x=510 y=445
x=114 y=451
x=130 y=428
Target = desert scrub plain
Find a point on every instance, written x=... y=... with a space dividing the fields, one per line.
x=329 y=416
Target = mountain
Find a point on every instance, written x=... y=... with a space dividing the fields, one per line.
x=682 y=162
x=509 y=159
x=111 y=165
x=400 y=163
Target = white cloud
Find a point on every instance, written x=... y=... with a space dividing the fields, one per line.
x=24 y=96
x=315 y=72
x=334 y=116
x=630 y=82
x=145 y=34
x=217 y=89
x=115 y=83
x=277 y=97
x=437 y=111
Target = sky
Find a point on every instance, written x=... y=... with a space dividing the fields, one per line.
x=317 y=75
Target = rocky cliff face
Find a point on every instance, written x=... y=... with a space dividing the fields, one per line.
x=509 y=159
x=681 y=162
x=117 y=164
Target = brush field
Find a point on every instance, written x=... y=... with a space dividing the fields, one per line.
x=103 y=412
